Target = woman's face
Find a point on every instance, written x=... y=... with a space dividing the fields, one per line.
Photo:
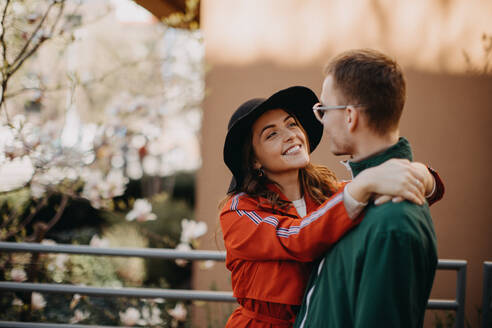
x=279 y=144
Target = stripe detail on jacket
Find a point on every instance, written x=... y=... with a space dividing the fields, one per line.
x=285 y=232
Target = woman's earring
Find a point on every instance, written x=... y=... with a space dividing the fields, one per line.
x=260 y=172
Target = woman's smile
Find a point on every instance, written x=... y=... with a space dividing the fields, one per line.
x=292 y=150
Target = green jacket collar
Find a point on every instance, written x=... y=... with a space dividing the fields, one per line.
x=399 y=150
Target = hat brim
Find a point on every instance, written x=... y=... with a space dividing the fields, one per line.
x=297 y=100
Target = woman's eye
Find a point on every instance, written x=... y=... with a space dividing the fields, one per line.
x=271 y=134
x=291 y=124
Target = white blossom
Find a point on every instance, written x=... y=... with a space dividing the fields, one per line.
x=207 y=265
x=37 y=301
x=191 y=230
x=97 y=189
x=60 y=261
x=115 y=184
x=179 y=312
x=16 y=173
x=99 y=242
x=138 y=141
x=134 y=170
x=17 y=302
x=18 y=275
x=79 y=315
x=151 y=165
x=142 y=211
x=130 y=317
x=182 y=247
x=49 y=242
x=150 y=316
x=75 y=300
x=37 y=189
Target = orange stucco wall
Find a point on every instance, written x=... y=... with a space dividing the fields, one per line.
x=447 y=118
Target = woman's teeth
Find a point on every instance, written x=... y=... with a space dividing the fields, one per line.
x=292 y=150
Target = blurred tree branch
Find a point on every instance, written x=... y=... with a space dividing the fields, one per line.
x=487 y=52
x=95 y=80
x=189 y=19
x=31 y=45
x=2 y=36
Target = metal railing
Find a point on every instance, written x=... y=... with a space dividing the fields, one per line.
x=487 y=295
x=457 y=304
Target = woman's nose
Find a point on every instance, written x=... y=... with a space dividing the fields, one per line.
x=289 y=135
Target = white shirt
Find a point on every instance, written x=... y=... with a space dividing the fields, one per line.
x=300 y=206
x=352 y=206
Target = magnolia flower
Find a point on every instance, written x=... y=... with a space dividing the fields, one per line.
x=130 y=316
x=37 y=301
x=179 y=312
x=182 y=247
x=15 y=174
x=150 y=317
x=17 y=302
x=142 y=211
x=150 y=165
x=99 y=242
x=191 y=230
x=75 y=301
x=18 y=275
x=206 y=265
x=58 y=262
x=97 y=188
x=115 y=184
x=37 y=189
x=134 y=170
x=79 y=316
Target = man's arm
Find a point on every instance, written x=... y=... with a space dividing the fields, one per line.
x=395 y=282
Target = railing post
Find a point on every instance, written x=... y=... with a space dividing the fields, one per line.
x=460 y=296
x=487 y=295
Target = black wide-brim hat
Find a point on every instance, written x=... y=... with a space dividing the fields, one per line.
x=297 y=101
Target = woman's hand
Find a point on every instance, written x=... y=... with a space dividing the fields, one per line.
x=392 y=179
x=429 y=185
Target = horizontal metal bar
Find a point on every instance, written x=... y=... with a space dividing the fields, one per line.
x=161 y=253
x=155 y=293
x=451 y=264
x=13 y=324
x=442 y=305
x=180 y=294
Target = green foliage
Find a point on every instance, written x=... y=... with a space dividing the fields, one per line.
x=92 y=270
x=17 y=201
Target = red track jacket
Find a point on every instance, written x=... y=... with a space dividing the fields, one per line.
x=269 y=253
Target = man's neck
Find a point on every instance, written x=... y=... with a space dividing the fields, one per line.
x=370 y=144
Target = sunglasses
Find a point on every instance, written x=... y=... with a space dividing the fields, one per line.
x=319 y=110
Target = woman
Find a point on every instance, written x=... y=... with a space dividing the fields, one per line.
x=284 y=212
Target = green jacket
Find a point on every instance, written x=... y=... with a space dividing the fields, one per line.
x=380 y=274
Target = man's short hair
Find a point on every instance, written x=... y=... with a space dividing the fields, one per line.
x=370 y=78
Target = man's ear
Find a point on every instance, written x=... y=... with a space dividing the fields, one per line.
x=352 y=117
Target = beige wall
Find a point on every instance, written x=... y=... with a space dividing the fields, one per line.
x=447 y=119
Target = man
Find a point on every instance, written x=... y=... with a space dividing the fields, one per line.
x=381 y=273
